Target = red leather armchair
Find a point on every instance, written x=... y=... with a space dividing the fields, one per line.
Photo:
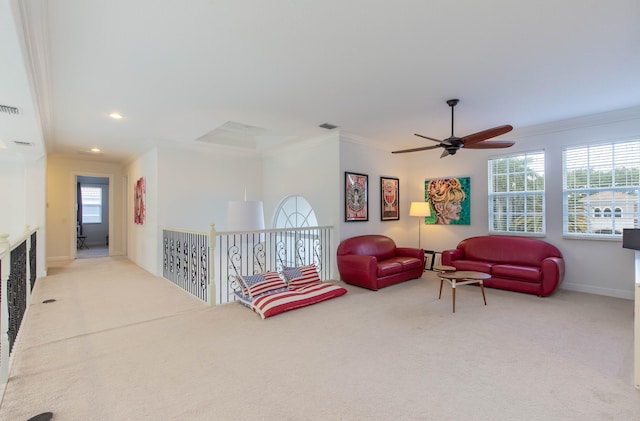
x=515 y=263
x=374 y=262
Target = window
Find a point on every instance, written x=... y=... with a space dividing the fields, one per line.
x=603 y=176
x=91 y=205
x=295 y=212
x=516 y=194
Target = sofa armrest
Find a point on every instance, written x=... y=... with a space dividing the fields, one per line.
x=410 y=252
x=552 y=274
x=359 y=270
x=448 y=256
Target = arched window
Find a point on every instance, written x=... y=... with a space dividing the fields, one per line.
x=618 y=212
x=294 y=212
x=597 y=213
x=607 y=212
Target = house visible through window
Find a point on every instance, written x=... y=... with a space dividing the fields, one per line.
x=601 y=186
x=516 y=194
x=91 y=205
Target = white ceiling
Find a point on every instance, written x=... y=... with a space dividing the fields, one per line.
x=380 y=70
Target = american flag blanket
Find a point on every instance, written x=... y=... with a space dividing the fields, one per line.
x=284 y=300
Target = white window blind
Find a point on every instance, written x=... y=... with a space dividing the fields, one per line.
x=91 y=205
x=600 y=189
x=516 y=194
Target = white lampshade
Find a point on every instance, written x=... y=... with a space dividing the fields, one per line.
x=420 y=209
x=245 y=216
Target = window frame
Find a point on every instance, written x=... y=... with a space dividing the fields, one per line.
x=98 y=206
x=612 y=211
x=525 y=195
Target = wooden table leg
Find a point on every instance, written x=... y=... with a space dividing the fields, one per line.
x=483 y=296
x=453 y=293
x=441 y=281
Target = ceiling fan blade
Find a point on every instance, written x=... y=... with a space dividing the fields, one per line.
x=486 y=134
x=424 y=148
x=435 y=140
x=490 y=144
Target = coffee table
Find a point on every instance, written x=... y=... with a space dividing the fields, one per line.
x=463 y=277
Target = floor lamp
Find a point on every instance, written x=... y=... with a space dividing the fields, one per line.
x=420 y=209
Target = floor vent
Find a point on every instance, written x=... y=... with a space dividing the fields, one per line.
x=9 y=109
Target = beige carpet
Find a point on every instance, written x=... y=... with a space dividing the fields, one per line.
x=120 y=344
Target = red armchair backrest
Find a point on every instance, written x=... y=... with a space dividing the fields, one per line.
x=515 y=250
x=379 y=246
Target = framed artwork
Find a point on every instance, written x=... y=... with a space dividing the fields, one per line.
x=449 y=200
x=356 y=201
x=139 y=191
x=389 y=198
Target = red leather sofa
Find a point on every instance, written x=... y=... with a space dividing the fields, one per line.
x=515 y=263
x=374 y=262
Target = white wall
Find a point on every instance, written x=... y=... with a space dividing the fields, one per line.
x=13 y=191
x=359 y=157
x=196 y=185
x=600 y=267
x=22 y=187
x=309 y=169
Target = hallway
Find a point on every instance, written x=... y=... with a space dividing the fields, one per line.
x=68 y=347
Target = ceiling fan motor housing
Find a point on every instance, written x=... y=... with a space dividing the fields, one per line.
x=473 y=141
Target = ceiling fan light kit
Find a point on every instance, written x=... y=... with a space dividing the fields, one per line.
x=478 y=140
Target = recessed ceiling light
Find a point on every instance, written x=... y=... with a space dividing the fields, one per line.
x=95 y=150
x=116 y=116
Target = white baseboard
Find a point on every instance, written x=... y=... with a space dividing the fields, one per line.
x=59 y=259
x=608 y=292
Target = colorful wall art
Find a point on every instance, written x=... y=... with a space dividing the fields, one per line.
x=450 y=201
x=139 y=191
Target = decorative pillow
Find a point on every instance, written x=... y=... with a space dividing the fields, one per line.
x=256 y=285
x=301 y=277
x=245 y=300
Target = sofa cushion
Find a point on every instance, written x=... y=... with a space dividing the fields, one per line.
x=473 y=265
x=508 y=249
x=407 y=262
x=388 y=267
x=380 y=246
x=525 y=273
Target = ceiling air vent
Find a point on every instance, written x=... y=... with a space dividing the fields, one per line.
x=22 y=143
x=328 y=126
x=9 y=109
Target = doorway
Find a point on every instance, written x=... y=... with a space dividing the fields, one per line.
x=92 y=217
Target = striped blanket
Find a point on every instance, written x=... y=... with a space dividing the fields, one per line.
x=284 y=300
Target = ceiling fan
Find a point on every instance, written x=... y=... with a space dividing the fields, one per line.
x=473 y=141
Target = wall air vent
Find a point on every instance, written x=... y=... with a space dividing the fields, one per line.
x=9 y=109
x=328 y=126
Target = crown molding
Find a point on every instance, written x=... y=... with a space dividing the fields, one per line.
x=32 y=27
x=599 y=119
